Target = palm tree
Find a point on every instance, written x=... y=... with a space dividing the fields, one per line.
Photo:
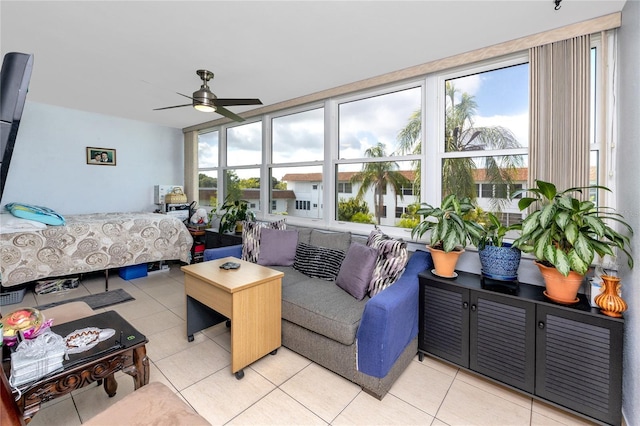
x=378 y=175
x=462 y=136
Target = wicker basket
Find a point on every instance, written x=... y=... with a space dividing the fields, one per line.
x=176 y=196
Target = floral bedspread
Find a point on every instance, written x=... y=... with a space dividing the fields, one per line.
x=92 y=242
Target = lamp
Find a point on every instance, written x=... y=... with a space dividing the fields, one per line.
x=203 y=99
x=204 y=107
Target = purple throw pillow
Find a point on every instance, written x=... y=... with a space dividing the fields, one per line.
x=356 y=270
x=277 y=247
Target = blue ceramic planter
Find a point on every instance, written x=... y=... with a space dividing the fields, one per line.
x=500 y=263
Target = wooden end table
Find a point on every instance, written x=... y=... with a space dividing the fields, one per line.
x=250 y=297
x=124 y=351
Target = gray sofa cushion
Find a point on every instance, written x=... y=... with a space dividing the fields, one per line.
x=321 y=306
x=329 y=239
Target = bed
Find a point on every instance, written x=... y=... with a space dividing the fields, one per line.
x=87 y=243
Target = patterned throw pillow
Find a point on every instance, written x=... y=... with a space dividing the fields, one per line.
x=251 y=237
x=392 y=258
x=318 y=262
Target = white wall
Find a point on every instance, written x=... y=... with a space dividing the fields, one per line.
x=49 y=166
x=628 y=176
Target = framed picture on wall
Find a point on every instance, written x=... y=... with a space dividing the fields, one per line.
x=101 y=156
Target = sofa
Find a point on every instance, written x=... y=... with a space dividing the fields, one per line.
x=369 y=339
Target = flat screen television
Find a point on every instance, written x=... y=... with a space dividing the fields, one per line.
x=14 y=82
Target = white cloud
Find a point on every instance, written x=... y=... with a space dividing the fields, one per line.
x=518 y=124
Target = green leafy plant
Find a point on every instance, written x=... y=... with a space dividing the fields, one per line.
x=566 y=232
x=450 y=224
x=493 y=231
x=234 y=211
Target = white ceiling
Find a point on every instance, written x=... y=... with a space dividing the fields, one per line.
x=126 y=58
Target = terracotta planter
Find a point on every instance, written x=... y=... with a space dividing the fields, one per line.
x=560 y=289
x=445 y=262
x=608 y=300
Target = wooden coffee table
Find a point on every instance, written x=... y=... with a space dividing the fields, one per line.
x=125 y=351
x=250 y=297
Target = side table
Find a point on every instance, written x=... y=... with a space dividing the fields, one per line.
x=125 y=351
x=250 y=297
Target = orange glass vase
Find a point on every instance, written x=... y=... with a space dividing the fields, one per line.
x=608 y=300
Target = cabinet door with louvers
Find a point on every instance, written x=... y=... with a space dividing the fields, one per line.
x=502 y=339
x=579 y=361
x=444 y=321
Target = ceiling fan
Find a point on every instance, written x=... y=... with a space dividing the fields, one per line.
x=204 y=100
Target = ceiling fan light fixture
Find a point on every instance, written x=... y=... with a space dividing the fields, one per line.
x=204 y=108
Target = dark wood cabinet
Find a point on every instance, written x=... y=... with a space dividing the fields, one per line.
x=214 y=239
x=570 y=356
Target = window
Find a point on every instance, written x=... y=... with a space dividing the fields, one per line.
x=344 y=187
x=297 y=141
x=244 y=153
x=395 y=146
x=485 y=112
x=208 y=168
x=289 y=185
x=378 y=154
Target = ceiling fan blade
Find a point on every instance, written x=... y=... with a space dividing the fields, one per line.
x=182 y=94
x=228 y=102
x=223 y=111
x=175 y=106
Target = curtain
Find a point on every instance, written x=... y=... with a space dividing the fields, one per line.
x=560 y=112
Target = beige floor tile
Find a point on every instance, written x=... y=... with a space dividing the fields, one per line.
x=138 y=308
x=93 y=399
x=281 y=366
x=494 y=388
x=277 y=408
x=171 y=341
x=161 y=288
x=220 y=397
x=367 y=410
x=175 y=298
x=155 y=375
x=223 y=339
x=61 y=414
x=437 y=422
x=437 y=364
x=217 y=330
x=180 y=311
x=554 y=415
x=28 y=299
x=469 y=405
x=321 y=391
x=422 y=386
x=189 y=366
x=155 y=323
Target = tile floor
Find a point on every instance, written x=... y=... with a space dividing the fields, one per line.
x=285 y=389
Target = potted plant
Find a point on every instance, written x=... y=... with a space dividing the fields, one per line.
x=235 y=211
x=565 y=234
x=451 y=230
x=499 y=259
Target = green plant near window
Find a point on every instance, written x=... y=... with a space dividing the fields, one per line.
x=493 y=231
x=567 y=232
x=234 y=211
x=452 y=225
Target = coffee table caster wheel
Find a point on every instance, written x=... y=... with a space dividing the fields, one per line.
x=228 y=323
x=273 y=352
x=239 y=374
x=190 y=338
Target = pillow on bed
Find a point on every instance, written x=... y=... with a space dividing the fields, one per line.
x=10 y=224
x=37 y=213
